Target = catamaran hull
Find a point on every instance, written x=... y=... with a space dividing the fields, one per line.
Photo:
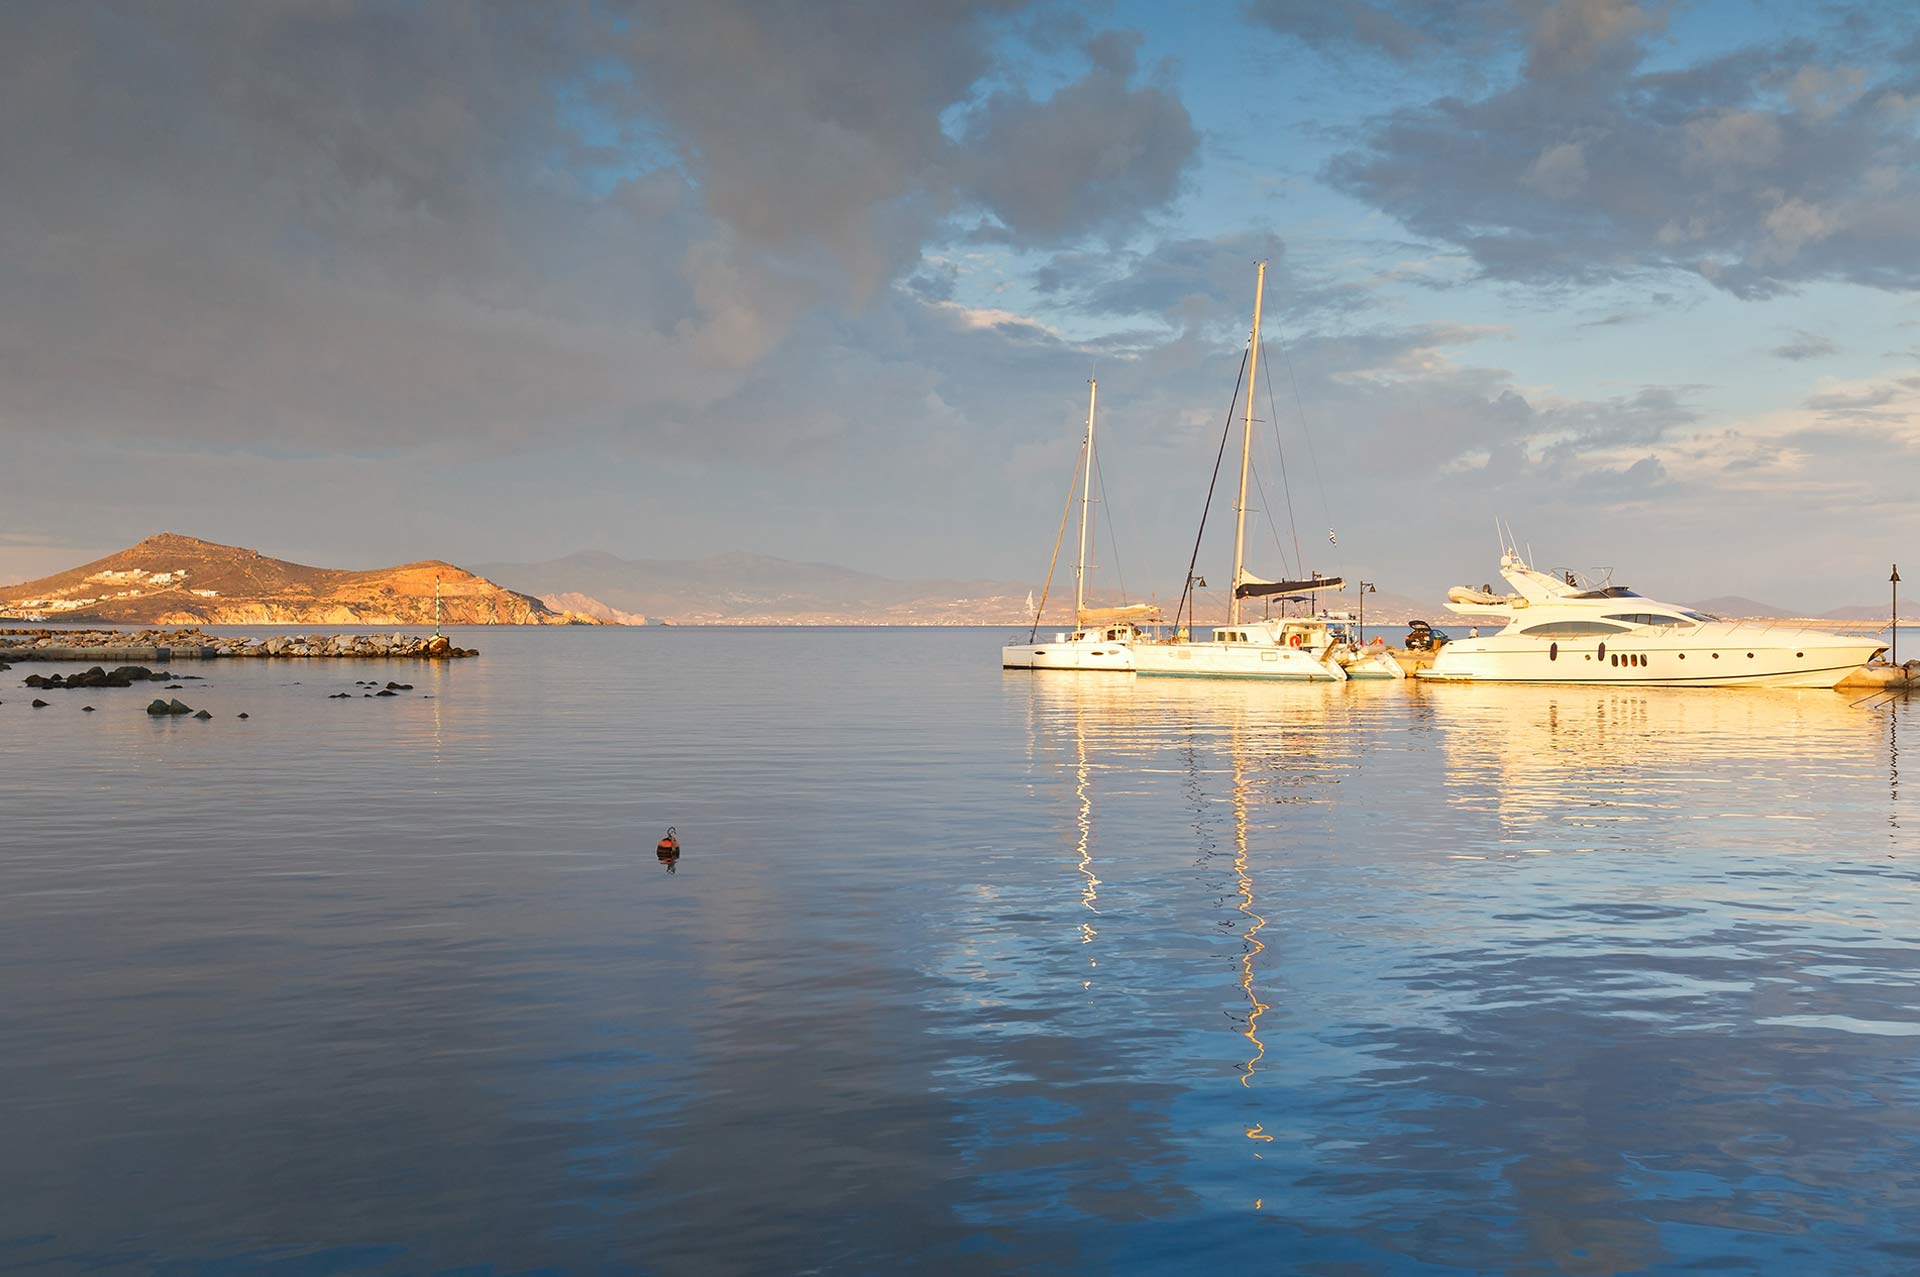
x=1233 y=660
x=1106 y=656
x=1652 y=663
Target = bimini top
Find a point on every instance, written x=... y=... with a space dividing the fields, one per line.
x=1250 y=586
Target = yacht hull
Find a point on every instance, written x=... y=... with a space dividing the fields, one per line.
x=1067 y=655
x=1820 y=660
x=1234 y=660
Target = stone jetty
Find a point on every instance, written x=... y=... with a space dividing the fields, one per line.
x=163 y=646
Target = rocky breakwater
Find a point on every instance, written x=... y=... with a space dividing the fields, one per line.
x=399 y=646
x=193 y=644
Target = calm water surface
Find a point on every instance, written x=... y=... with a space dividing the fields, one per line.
x=960 y=971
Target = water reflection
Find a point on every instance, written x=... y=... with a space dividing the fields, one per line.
x=1591 y=757
x=1504 y=1061
x=1083 y=820
x=1434 y=978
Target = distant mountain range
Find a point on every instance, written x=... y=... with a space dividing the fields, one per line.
x=757 y=589
x=754 y=589
x=1738 y=607
x=169 y=579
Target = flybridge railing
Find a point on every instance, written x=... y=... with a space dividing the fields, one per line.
x=1804 y=625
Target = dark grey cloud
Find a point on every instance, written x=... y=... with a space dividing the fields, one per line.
x=1804 y=345
x=1758 y=170
x=1094 y=157
x=317 y=228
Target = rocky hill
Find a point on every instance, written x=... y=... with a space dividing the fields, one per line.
x=178 y=580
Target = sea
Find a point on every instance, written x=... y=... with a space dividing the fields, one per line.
x=958 y=970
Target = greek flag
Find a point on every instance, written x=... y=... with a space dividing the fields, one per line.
x=1330 y=538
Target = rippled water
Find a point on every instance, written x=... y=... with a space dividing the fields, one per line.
x=961 y=970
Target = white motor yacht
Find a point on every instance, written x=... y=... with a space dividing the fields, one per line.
x=1562 y=630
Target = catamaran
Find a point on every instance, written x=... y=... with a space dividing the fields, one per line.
x=1560 y=629
x=1292 y=648
x=1104 y=638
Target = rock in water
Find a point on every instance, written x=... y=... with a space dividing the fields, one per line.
x=243 y=715
x=384 y=692
x=39 y=704
x=178 y=707
x=204 y=714
x=86 y=709
x=156 y=707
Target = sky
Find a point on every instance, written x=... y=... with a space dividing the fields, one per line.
x=363 y=283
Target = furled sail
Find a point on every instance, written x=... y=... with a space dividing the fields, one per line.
x=1250 y=586
x=1133 y=614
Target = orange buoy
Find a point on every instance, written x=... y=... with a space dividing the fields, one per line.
x=670 y=845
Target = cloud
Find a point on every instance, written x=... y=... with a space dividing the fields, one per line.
x=1805 y=345
x=1402 y=30
x=1095 y=157
x=1759 y=170
x=366 y=227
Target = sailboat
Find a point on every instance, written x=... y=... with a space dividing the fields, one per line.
x=1301 y=649
x=1104 y=638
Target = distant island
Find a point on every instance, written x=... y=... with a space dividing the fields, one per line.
x=169 y=579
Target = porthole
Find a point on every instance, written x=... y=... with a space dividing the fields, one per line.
x=1683 y=656
x=1553 y=651
x=1799 y=654
x=1601 y=651
x=1716 y=656
x=1749 y=655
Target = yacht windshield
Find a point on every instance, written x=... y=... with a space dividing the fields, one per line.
x=1573 y=629
x=1646 y=618
x=1609 y=592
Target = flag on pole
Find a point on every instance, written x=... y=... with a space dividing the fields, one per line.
x=1330 y=537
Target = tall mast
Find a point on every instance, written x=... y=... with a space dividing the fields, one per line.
x=1086 y=491
x=1246 y=454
